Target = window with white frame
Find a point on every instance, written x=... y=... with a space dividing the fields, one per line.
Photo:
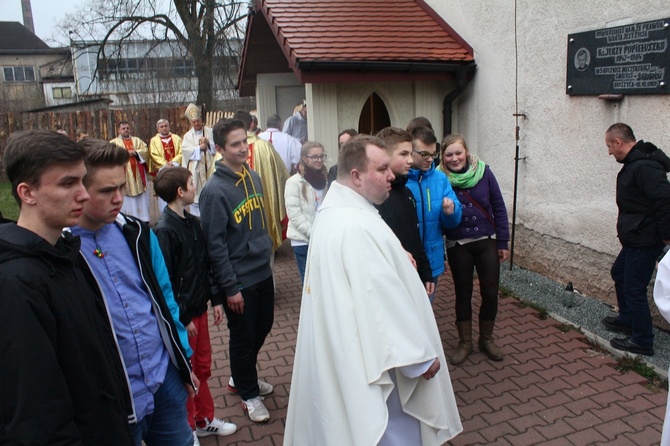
x=19 y=74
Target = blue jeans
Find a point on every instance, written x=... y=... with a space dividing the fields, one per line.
x=168 y=424
x=301 y=259
x=431 y=297
x=631 y=272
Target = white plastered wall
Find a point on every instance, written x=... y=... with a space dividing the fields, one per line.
x=567 y=180
x=566 y=184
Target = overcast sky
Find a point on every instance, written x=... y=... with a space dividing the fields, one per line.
x=45 y=15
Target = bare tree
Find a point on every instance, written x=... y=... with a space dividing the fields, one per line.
x=210 y=30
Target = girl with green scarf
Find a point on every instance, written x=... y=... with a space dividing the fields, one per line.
x=480 y=241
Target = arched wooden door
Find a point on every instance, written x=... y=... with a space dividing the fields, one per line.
x=374 y=116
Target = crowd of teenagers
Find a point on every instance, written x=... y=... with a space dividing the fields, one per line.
x=104 y=324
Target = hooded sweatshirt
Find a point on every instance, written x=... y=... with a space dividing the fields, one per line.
x=235 y=226
x=643 y=197
x=61 y=371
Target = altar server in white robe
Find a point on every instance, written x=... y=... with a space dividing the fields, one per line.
x=662 y=300
x=369 y=367
x=198 y=152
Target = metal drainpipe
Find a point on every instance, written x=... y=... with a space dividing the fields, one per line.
x=447 y=108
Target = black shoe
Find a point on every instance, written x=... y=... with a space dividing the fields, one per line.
x=613 y=323
x=627 y=345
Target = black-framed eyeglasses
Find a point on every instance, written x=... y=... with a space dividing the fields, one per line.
x=427 y=155
x=317 y=157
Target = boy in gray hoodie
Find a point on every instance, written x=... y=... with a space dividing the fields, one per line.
x=239 y=247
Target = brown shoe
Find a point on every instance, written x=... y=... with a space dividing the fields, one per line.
x=465 y=342
x=486 y=343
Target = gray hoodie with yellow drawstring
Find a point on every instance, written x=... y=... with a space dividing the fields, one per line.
x=235 y=225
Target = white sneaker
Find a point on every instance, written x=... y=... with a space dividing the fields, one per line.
x=264 y=388
x=196 y=442
x=256 y=410
x=215 y=427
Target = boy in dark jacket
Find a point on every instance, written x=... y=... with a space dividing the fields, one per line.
x=62 y=376
x=399 y=209
x=185 y=251
x=127 y=262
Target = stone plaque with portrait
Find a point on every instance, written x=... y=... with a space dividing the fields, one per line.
x=628 y=59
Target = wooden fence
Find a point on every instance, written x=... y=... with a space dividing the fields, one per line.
x=99 y=123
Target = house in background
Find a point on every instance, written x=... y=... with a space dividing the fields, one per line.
x=360 y=64
x=27 y=65
x=357 y=61
x=139 y=72
x=58 y=82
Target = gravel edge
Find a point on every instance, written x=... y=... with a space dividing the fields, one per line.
x=580 y=311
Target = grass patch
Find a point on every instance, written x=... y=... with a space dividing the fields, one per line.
x=635 y=364
x=597 y=347
x=8 y=206
x=542 y=312
x=568 y=327
x=504 y=292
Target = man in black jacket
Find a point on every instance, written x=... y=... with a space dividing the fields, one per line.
x=643 y=227
x=62 y=376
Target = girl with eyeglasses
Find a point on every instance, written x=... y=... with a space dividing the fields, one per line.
x=303 y=195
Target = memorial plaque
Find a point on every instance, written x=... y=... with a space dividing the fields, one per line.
x=629 y=59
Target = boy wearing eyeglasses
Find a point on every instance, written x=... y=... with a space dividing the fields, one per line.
x=437 y=206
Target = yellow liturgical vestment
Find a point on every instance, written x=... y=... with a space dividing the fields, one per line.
x=135 y=183
x=265 y=160
x=160 y=155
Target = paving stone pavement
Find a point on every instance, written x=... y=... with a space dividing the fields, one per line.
x=550 y=389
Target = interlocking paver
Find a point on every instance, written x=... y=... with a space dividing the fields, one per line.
x=613 y=429
x=523 y=423
x=551 y=388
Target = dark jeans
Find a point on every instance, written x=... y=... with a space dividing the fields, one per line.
x=631 y=272
x=463 y=259
x=431 y=297
x=247 y=334
x=301 y=259
x=168 y=424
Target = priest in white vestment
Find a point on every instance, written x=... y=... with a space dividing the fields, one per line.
x=198 y=153
x=369 y=367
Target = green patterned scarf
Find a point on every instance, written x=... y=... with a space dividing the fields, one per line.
x=469 y=178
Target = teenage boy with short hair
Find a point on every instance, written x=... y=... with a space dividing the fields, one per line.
x=236 y=228
x=437 y=206
x=62 y=376
x=127 y=262
x=399 y=209
x=185 y=251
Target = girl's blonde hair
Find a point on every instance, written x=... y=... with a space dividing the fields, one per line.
x=452 y=139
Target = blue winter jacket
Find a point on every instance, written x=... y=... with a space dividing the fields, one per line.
x=429 y=189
